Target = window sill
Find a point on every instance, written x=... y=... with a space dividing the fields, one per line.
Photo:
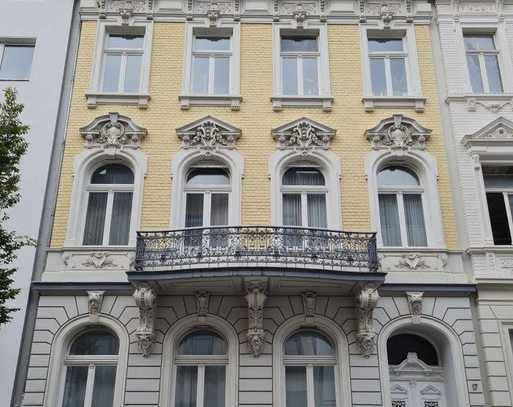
x=323 y=102
x=98 y=98
x=372 y=102
x=14 y=80
x=186 y=101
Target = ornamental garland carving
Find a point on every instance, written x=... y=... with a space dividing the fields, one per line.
x=146 y=299
x=255 y=298
x=208 y=134
x=113 y=131
x=366 y=300
x=398 y=133
x=304 y=135
x=137 y=6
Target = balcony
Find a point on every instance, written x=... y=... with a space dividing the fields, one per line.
x=215 y=248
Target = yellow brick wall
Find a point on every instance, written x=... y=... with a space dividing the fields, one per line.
x=256 y=119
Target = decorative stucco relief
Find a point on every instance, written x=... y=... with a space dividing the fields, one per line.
x=304 y=135
x=413 y=261
x=207 y=134
x=145 y=297
x=255 y=297
x=94 y=304
x=366 y=300
x=415 y=300
x=81 y=260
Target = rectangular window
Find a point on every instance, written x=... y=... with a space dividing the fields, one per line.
x=200 y=386
x=388 y=60
x=299 y=65
x=499 y=197
x=483 y=63
x=15 y=61
x=211 y=61
x=122 y=63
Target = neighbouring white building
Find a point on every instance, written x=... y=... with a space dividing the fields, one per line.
x=33 y=49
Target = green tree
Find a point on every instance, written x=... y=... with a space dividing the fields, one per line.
x=12 y=147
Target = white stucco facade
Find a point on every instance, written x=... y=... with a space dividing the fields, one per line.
x=46 y=23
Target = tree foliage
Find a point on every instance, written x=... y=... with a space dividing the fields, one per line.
x=12 y=147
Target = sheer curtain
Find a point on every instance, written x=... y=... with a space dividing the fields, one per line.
x=186 y=382
x=194 y=210
x=219 y=210
x=389 y=219
x=104 y=383
x=415 y=220
x=214 y=386
x=324 y=386
x=317 y=210
x=95 y=218
x=292 y=210
x=295 y=386
x=74 y=389
x=121 y=214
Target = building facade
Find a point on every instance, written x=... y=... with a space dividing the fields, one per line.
x=256 y=207
x=32 y=60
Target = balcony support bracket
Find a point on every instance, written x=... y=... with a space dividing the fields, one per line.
x=145 y=296
x=367 y=297
x=255 y=297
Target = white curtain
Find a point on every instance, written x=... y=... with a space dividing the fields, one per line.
x=194 y=210
x=389 y=219
x=121 y=214
x=104 y=384
x=219 y=210
x=295 y=385
x=324 y=386
x=292 y=210
x=415 y=220
x=95 y=218
x=214 y=386
x=317 y=211
x=186 y=382
x=74 y=389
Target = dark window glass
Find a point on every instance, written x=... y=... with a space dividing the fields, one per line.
x=398 y=347
x=303 y=176
x=299 y=44
x=498 y=218
x=16 y=62
x=95 y=342
x=113 y=174
x=308 y=343
x=202 y=343
x=208 y=176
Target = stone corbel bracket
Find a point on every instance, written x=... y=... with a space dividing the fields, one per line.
x=202 y=301
x=255 y=297
x=366 y=299
x=94 y=304
x=145 y=297
x=415 y=304
x=309 y=303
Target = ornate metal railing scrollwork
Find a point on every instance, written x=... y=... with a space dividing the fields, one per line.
x=268 y=246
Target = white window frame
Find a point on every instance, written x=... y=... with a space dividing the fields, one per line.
x=399 y=191
x=323 y=100
x=482 y=66
x=233 y=98
x=96 y=95
x=506 y=328
x=207 y=190
x=18 y=42
x=304 y=191
x=110 y=189
x=414 y=98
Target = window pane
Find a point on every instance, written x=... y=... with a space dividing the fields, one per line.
x=295 y=385
x=309 y=343
x=289 y=76
x=16 y=62
x=95 y=218
x=303 y=176
x=194 y=210
x=113 y=174
x=398 y=347
x=222 y=76
x=500 y=176
x=133 y=73
x=186 y=382
x=389 y=219
x=317 y=211
x=95 y=342
x=298 y=44
x=292 y=210
x=475 y=73
x=104 y=384
x=215 y=387
x=396 y=176
x=208 y=176
x=415 y=226
x=121 y=215
x=219 y=210
x=310 y=77
x=324 y=386
x=200 y=75
x=75 y=386
x=494 y=74
x=479 y=42
x=211 y=43
x=111 y=69
x=398 y=71
x=125 y=41
x=498 y=218
x=202 y=343
x=385 y=44
x=378 y=78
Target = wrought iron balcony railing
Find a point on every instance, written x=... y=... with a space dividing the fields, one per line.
x=256 y=246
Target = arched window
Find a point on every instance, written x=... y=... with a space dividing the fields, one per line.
x=304 y=197
x=398 y=347
x=109 y=206
x=201 y=360
x=401 y=212
x=91 y=364
x=309 y=362
x=207 y=197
